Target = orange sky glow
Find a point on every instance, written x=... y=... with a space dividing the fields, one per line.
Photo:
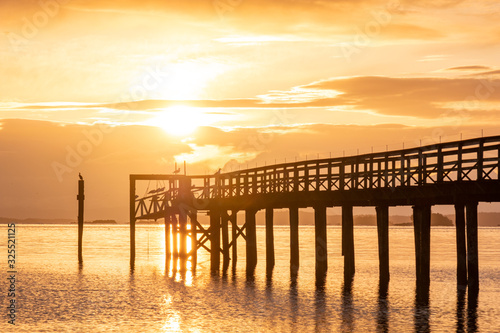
x=113 y=87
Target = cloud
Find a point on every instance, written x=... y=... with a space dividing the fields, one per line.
x=468 y=68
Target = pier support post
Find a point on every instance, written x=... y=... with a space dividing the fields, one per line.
x=214 y=240
x=320 y=244
x=175 y=238
x=472 y=248
x=251 y=241
x=422 y=229
x=168 y=251
x=80 y=198
x=269 y=240
x=225 y=240
x=461 y=245
x=132 y=220
x=183 y=239
x=194 y=238
x=348 y=241
x=383 y=242
x=294 y=239
x=234 y=236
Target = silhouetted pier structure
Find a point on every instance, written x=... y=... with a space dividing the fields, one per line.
x=460 y=173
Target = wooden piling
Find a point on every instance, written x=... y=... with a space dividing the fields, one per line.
x=175 y=238
x=348 y=241
x=194 y=238
x=168 y=250
x=472 y=248
x=234 y=236
x=320 y=244
x=80 y=197
x=269 y=240
x=422 y=228
x=294 y=239
x=214 y=240
x=183 y=235
x=132 y=220
x=383 y=242
x=225 y=240
x=461 y=245
x=251 y=241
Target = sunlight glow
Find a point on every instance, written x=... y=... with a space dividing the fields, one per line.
x=181 y=120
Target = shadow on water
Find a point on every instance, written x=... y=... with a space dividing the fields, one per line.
x=472 y=311
x=347 y=306
x=461 y=291
x=422 y=310
x=321 y=318
x=294 y=298
x=383 y=307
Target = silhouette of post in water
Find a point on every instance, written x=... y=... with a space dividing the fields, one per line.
x=269 y=240
x=348 y=241
x=383 y=242
x=80 y=197
x=461 y=245
x=294 y=239
x=422 y=229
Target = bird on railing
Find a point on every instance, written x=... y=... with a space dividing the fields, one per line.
x=80 y=176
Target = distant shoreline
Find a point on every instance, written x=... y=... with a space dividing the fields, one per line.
x=281 y=218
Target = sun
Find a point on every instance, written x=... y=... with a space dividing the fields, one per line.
x=180 y=120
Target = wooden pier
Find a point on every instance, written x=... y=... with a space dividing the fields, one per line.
x=461 y=173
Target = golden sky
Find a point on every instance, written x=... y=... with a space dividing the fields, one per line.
x=108 y=87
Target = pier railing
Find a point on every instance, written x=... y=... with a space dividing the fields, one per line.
x=460 y=161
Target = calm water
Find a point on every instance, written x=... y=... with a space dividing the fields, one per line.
x=54 y=295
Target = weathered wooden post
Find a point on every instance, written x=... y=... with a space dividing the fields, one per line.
x=269 y=240
x=383 y=242
x=214 y=239
x=422 y=229
x=80 y=197
x=251 y=241
x=168 y=251
x=225 y=240
x=461 y=245
x=194 y=238
x=294 y=239
x=472 y=248
x=321 y=253
x=132 y=221
x=234 y=236
x=348 y=241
